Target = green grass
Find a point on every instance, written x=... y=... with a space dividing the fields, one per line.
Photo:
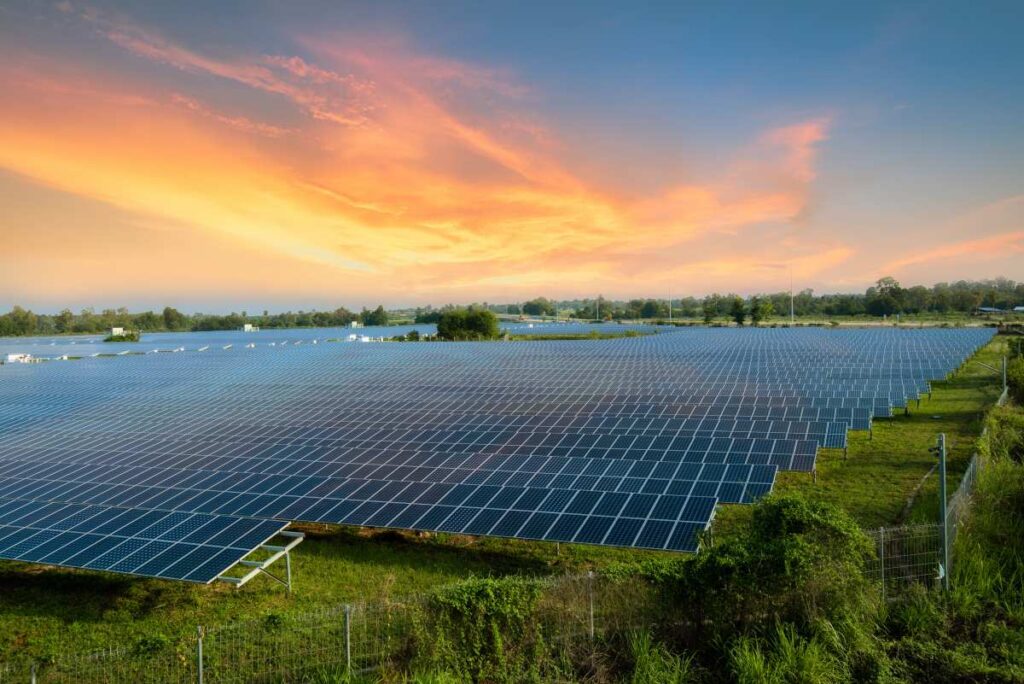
x=46 y=611
x=878 y=475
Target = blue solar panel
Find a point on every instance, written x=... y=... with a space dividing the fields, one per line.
x=170 y=545
x=626 y=442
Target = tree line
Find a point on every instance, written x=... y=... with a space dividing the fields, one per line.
x=885 y=298
x=21 y=321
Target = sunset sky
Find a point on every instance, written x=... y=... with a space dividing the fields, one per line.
x=230 y=155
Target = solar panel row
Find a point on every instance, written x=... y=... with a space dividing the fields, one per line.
x=173 y=545
x=627 y=442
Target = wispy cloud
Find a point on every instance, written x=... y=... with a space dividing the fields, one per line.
x=401 y=171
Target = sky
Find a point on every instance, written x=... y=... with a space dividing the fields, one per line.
x=281 y=155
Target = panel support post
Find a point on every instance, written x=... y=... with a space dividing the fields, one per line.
x=288 y=570
x=590 y=596
x=199 y=654
x=348 y=638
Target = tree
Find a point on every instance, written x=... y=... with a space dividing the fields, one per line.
x=761 y=309
x=173 y=319
x=376 y=317
x=737 y=310
x=710 y=309
x=539 y=307
x=468 y=324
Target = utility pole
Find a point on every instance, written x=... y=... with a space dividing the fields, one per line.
x=792 y=318
x=670 y=308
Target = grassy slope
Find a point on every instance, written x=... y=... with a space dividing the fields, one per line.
x=46 y=611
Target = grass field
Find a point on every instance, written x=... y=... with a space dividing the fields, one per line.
x=47 y=611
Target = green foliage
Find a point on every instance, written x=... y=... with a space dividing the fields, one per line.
x=797 y=561
x=653 y=663
x=1015 y=378
x=539 y=307
x=738 y=310
x=483 y=629
x=761 y=309
x=786 y=657
x=468 y=324
x=378 y=316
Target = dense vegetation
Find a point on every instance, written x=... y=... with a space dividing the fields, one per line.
x=468 y=324
x=20 y=321
x=885 y=298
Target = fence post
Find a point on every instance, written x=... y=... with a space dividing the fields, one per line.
x=33 y=673
x=199 y=654
x=590 y=592
x=348 y=638
x=881 y=555
x=940 y=449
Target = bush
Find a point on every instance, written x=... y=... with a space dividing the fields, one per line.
x=468 y=324
x=483 y=630
x=1015 y=378
x=797 y=562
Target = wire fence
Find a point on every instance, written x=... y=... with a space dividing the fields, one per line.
x=334 y=643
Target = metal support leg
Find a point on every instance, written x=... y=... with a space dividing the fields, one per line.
x=288 y=571
x=199 y=654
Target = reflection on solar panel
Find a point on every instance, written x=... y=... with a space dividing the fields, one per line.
x=625 y=442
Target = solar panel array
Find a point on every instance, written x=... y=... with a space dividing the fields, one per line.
x=625 y=442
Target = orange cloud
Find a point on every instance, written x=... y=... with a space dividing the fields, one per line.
x=992 y=247
x=401 y=174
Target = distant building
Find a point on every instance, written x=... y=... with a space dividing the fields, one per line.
x=355 y=324
x=20 y=358
x=117 y=332
x=249 y=327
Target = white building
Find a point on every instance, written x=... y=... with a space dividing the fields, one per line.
x=355 y=324
x=249 y=327
x=19 y=358
x=117 y=332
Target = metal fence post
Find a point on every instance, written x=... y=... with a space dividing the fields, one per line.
x=590 y=592
x=348 y=638
x=199 y=654
x=33 y=673
x=940 y=450
x=881 y=556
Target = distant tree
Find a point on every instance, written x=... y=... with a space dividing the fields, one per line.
x=376 y=317
x=539 y=307
x=468 y=324
x=709 y=309
x=761 y=309
x=64 y=321
x=174 y=319
x=738 y=310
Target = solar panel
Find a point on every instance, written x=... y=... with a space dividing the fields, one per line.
x=170 y=545
x=625 y=442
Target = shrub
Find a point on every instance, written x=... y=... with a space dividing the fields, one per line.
x=1015 y=378
x=797 y=562
x=483 y=629
x=468 y=324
